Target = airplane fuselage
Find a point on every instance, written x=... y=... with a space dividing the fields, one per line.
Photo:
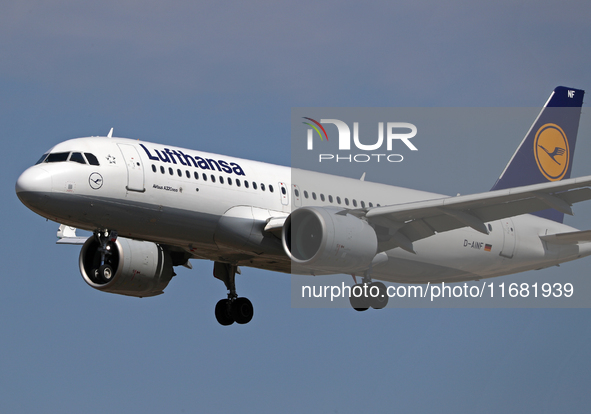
x=217 y=208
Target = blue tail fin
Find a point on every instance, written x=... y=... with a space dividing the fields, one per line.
x=546 y=153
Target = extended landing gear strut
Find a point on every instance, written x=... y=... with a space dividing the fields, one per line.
x=233 y=309
x=368 y=294
x=104 y=273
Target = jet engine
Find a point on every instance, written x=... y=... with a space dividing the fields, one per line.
x=320 y=239
x=136 y=268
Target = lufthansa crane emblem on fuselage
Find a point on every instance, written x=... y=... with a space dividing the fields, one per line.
x=95 y=180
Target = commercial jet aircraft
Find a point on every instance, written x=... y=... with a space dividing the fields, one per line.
x=152 y=207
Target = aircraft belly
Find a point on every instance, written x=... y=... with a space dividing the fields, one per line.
x=410 y=271
x=463 y=254
x=132 y=219
x=192 y=230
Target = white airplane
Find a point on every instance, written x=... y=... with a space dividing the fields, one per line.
x=152 y=207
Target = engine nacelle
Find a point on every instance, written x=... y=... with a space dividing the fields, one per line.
x=140 y=268
x=325 y=240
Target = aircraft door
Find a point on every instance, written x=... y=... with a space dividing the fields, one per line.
x=284 y=194
x=297 y=196
x=135 y=171
x=508 y=238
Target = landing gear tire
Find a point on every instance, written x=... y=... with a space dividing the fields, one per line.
x=105 y=273
x=233 y=309
x=359 y=302
x=223 y=312
x=381 y=300
x=239 y=310
x=242 y=310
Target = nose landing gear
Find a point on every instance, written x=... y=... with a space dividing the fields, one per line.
x=105 y=273
x=233 y=309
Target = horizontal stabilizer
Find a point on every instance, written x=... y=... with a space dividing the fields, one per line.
x=575 y=237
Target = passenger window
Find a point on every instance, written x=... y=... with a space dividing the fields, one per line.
x=237 y=182
x=254 y=185
x=363 y=204
x=204 y=177
x=229 y=181
x=221 y=179
x=329 y=198
x=297 y=193
x=270 y=188
x=170 y=171
x=179 y=172
x=245 y=184
x=262 y=187
x=283 y=191
x=77 y=157
x=322 y=197
x=154 y=168
x=196 y=175
x=162 y=170
x=57 y=157
x=314 y=196
x=188 y=174
x=92 y=160
x=212 y=178
x=346 y=201
x=370 y=204
x=354 y=203
x=338 y=200
x=305 y=194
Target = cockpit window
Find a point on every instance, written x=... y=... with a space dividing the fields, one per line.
x=71 y=156
x=41 y=159
x=77 y=157
x=92 y=160
x=57 y=157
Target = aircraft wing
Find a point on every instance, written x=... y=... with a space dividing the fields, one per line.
x=401 y=224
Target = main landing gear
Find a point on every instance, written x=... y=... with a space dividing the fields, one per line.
x=233 y=309
x=368 y=294
x=105 y=273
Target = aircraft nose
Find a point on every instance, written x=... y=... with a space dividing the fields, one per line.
x=33 y=185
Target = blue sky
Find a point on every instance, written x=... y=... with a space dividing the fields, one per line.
x=223 y=77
